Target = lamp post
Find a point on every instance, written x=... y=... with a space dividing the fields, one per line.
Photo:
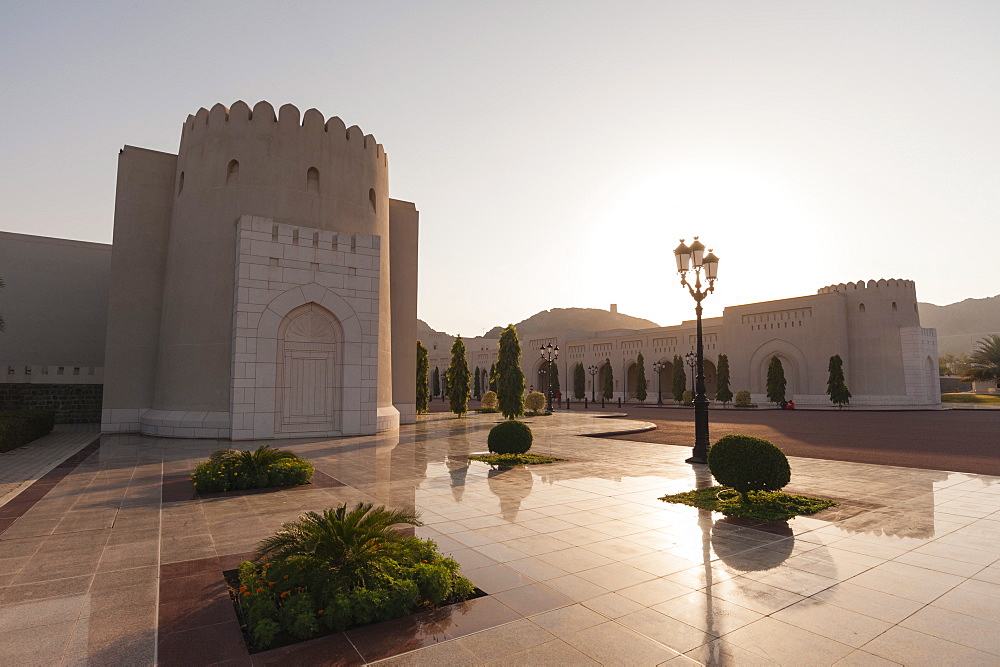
x=593 y=383
x=692 y=361
x=657 y=368
x=549 y=354
x=689 y=258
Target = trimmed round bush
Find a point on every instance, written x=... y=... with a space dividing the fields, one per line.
x=510 y=437
x=490 y=400
x=687 y=398
x=746 y=463
x=535 y=401
x=742 y=399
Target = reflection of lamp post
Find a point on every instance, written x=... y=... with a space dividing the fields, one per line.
x=548 y=355
x=692 y=361
x=593 y=383
x=657 y=368
x=710 y=263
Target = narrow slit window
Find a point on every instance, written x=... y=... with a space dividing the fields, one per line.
x=371 y=199
x=233 y=173
x=312 y=179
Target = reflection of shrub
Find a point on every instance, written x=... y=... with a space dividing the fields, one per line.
x=489 y=401
x=535 y=401
x=232 y=470
x=746 y=463
x=19 y=427
x=742 y=399
x=510 y=437
x=342 y=568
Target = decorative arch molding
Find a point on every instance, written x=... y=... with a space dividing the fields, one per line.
x=792 y=360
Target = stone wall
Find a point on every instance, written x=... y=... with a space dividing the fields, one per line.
x=73 y=403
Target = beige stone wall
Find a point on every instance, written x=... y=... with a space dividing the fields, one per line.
x=889 y=360
x=404 y=228
x=55 y=304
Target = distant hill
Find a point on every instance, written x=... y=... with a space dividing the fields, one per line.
x=960 y=325
x=575 y=319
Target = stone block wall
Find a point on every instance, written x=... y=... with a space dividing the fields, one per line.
x=73 y=403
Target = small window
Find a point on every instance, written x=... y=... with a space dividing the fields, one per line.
x=894 y=307
x=180 y=184
x=233 y=172
x=371 y=199
x=861 y=308
x=312 y=179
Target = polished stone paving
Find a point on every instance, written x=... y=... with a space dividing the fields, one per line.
x=118 y=564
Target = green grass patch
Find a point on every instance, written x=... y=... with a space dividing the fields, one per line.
x=764 y=505
x=490 y=411
x=970 y=398
x=514 y=459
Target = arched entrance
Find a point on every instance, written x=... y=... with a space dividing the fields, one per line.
x=631 y=380
x=309 y=367
x=602 y=374
x=665 y=379
x=711 y=379
x=788 y=366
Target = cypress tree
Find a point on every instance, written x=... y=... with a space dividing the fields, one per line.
x=422 y=365
x=554 y=380
x=510 y=379
x=835 y=386
x=579 y=382
x=476 y=387
x=679 y=380
x=458 y=379
x=436 y=382
x=493 y=376
x=775 y=381
x=640 y=379
x=608 y=390
x=723 y=393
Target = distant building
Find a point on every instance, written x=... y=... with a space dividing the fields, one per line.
x=261 y=284
x=889 y=359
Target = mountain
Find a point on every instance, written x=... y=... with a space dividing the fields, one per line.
x=961 y=325
x=575 y=319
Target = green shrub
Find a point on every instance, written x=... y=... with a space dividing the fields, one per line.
x=489 y=401
x=687 y=397
x=535 y=401
x=342 y=568
x=510 y=437
x=742 y=399
x=746 y=463
x=19 y=427
x=234 y=470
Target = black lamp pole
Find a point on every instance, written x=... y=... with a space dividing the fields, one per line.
x=549 y=353
x=692 y=361
x=593 y=383
x=658 y=368
x=689 y=258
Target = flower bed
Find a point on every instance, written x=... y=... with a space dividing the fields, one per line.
x=237 y=470
x=340 y=569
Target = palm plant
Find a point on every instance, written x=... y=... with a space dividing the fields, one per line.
x=984 y=362
x=355 y=547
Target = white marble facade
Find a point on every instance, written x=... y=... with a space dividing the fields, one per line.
x=305 y=332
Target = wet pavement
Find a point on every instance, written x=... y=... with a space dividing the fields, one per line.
x=116 y=561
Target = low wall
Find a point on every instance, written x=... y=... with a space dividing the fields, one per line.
x=73 y=403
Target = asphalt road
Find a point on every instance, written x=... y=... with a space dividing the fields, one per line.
x=955 y=440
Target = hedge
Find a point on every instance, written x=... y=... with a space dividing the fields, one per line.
x=22 y=426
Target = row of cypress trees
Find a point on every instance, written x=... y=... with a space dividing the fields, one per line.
x=507 y=380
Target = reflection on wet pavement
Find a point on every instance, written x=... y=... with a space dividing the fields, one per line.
x=581 y=560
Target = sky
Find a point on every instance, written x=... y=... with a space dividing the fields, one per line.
x=558 y=151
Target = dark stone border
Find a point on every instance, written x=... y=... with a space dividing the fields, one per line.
x=25 y=500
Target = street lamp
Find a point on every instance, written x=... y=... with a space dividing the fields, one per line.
x=549 y=354
x=657 y=368
x=689 y=258
x=692 y=361
x=593 y=383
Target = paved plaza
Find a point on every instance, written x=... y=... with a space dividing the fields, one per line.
x=111 y=559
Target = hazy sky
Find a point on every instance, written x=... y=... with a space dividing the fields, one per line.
x=557 y=151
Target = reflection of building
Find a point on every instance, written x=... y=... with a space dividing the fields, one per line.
x=261 y=284
x=889 y=359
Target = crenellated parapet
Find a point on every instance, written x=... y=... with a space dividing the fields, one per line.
x=861 y=285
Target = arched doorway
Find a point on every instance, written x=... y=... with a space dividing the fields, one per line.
x=664 y=381
x=308 y=373
x=631 y=380
x=788 y=366
x=602 y=374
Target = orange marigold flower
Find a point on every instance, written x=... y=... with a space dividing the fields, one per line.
x=285 y=577
x=242 y=588
x=260 y=589
x=246 y=594
x=284 y=594
x=320 y=611
x=271 y=583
